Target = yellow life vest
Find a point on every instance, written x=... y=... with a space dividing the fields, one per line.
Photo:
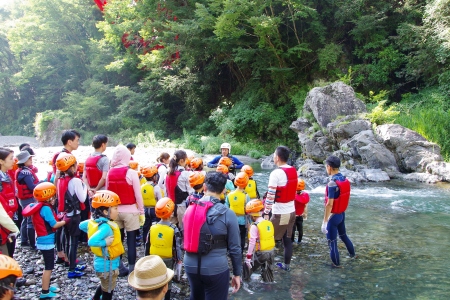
x=161 y=240
x=116 y=248
x=142 y=180
x=148 y=195
x=250 y=189
x=227 y=191
x=236 y=199
x=266 y=240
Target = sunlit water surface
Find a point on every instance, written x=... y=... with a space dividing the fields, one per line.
x=401 y=234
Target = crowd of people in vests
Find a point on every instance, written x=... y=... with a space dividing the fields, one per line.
x=186 y=218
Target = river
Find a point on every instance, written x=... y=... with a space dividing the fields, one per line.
x=399 y=229
x=401 y=234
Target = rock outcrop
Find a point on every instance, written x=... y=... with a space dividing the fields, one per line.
x=335 y=123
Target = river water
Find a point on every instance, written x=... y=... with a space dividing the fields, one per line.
x=401 y=234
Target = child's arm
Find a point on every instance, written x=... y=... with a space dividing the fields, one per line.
x=98 y=239
x=47 y=215
x=305 y=213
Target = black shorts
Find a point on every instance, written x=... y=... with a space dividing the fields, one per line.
x=49 y=259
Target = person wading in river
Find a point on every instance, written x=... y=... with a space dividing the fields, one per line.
x=280 y=200
x=337 y=196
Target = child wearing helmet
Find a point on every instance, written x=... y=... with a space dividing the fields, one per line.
x=72 y=193
x=196 y=164
x=196 y=180
x=236 y=201
x=105 y=242
x=225 y=150
x=164 y=239
x=301 y=210
x=251 y=189
x=45 y=223
x=261 y=242
x=151 y=193
x=229 y=186
x=9 y=272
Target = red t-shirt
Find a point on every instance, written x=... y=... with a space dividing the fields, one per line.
x=300 y=202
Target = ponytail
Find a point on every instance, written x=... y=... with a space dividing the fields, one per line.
x=173 y=163
x=163 y=155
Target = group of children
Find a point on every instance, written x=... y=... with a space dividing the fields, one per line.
x=183 y=183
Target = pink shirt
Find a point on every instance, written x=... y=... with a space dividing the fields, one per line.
x=253 y=236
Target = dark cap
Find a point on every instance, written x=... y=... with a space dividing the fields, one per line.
x=333 y=161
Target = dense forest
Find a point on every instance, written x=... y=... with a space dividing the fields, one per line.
x=207 y=70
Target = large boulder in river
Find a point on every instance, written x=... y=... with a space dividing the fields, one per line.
x=329 y=102
x=412 y=151
x=347 y=127
x=316 y=146
x=365 y=147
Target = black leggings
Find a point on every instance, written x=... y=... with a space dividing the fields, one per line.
x=243 y=233
x=131 y=243
x=299 y=226
x=71 y=235
x=104 y=295
x=287 y=242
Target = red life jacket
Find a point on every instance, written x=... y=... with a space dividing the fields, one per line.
x=55 y=157
x=66 y=201
x=173 y=191
x=285 y=194
x=40 y=225
x=22 y=191
x=4 y=235
x=118 y=184
x=197 y=235
x=340 y=204
x=93 y=174
x=8 y=199
x=300 y=203
x=12 y=175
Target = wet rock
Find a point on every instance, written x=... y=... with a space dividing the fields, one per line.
x=375 y=175
x=329 y=102
x=421 y=177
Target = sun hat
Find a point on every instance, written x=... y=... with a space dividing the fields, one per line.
x=150 y=273
x=23 y=156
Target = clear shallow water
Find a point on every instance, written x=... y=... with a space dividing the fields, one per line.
x=401 y=234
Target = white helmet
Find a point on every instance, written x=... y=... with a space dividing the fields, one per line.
x=226 y=146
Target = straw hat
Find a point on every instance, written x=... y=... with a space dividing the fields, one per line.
x=150 y=273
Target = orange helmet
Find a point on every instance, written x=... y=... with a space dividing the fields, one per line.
x=8 y=266
x=15 y=166
x=247 y=169
x=81 y=167
x=65 y=161
x=196 y=162
x=44 y=191
x=149 y=171
x=188 y=160
x=241 y=180
x=105 y=198
x=164 y=208
x=133 y=164
x=254 y=207
x=225 y=161
x=196 y=178
x=222 y=169
x=300 y=185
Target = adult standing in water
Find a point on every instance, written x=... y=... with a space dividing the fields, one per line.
x=337 y=196
x=225 y=150
x=280 y=201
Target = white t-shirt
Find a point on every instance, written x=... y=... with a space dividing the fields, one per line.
x=278 y=178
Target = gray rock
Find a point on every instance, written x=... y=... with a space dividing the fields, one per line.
x=365 y=147
x=318 y=148
x=440 y=169
x=421 y=177
x=375 y=175
x=329 y=102
x=413 y=152
x=352 y=176
x=268 y=162
x=300 y=125
x=347 y=127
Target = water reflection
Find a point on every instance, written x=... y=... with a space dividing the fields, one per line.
x=400 y=231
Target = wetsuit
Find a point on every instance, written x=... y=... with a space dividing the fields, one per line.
x=336 y=223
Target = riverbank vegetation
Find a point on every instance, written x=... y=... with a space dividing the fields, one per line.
x=199 y=72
